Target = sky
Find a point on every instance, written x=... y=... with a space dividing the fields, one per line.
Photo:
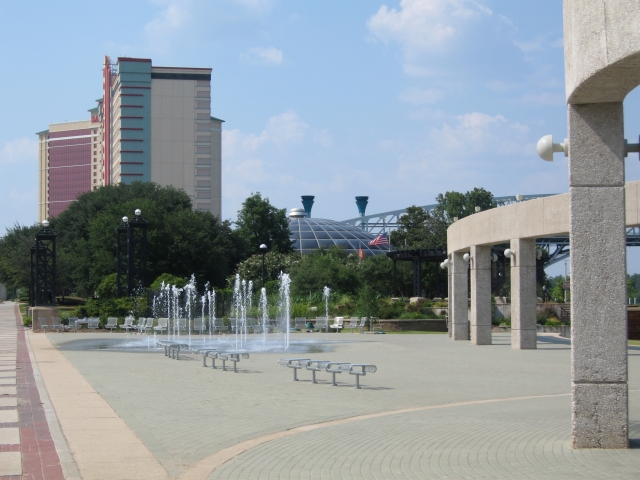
x=397 y=100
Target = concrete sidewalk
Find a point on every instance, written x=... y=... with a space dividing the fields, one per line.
x=434 y=409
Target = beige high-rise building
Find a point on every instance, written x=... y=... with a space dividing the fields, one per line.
x=152 y=124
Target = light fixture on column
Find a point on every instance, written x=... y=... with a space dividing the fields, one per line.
x=445 y=264
x=494 y=258
x=519 y=198
x=455 y=219
x=466 y=257
x=538 y=253
x=630 y=147
x=509 y=253
x=546 y=148
x=478 y=209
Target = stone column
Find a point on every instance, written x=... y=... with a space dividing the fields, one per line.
x=480 y=266
x=523 y=294
x=598 y=276
x=459 y=303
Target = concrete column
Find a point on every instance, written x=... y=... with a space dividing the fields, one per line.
x=459 y=303
x=523 y=294
x=480 y=266
x=598 y=276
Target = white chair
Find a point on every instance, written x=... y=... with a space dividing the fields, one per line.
x=149 y=325
x=55 y=324
x=92 y=323
x=353 y=323
x=300 y=323
x=43 y=324
x=198 y=325
x=128 y=324
x=112 y=322
x=163 y=323
x=362 y=324
x=73 y=323
x=322 y=322
x=338 y=324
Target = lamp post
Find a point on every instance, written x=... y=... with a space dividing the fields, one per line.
x=263 y=250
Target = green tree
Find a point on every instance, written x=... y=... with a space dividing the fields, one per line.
x=180 y=241
x=420 y=229
x=274 y=263
x=168 y=279
x=460 y=205
x=260 y=222
x=326 y=267
x=15 y=256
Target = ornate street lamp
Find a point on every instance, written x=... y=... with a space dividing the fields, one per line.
x=131 y=239
x=44 y=267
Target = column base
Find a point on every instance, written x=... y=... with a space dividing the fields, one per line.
x=460 y=331
x=524 y=339
x=600 y=415
x=481 y=334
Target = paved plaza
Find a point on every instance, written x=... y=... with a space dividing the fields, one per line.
x=434 y=409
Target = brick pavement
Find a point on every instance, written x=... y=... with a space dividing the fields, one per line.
x=186 y=415
x=27 y=450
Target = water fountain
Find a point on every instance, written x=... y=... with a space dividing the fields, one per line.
x=180 y=305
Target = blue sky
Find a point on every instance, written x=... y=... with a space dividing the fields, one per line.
x=398 y=100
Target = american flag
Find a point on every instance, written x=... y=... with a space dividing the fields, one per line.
x=380 y=240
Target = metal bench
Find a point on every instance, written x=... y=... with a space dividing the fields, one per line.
x=172 y=349
x=204 y=352
x=333 y=368
x=316 y=366
x=295 y=363
x=357 y=369
x=231 y=357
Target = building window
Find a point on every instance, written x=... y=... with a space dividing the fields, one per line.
x=203 y=172
x=203 y=183
x=202 y=116
x=202 y=105
x=203 y=161
x=202 y=93
x=203 y=206
x=203 y=149
x=203 y=194
x=203 y=83
x=203 y=127
x=203 y=138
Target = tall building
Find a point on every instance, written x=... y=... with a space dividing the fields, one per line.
x=69 y=162
x=151 y=124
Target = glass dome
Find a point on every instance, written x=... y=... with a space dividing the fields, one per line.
x=310 y=234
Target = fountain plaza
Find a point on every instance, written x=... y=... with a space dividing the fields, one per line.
x=102 y=405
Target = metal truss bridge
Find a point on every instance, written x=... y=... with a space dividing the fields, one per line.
x=558 y=247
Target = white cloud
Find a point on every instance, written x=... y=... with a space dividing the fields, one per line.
x=281 y=131
x=170 y=22
x=539 y=44
x=423 y=27
x=262 y=56
x=19 y=151
x=420 y=96
x=466 y=146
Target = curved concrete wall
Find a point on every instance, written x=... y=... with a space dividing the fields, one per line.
x=542 y=217
x=602 y=62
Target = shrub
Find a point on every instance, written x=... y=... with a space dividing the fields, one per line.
x=553 y=322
